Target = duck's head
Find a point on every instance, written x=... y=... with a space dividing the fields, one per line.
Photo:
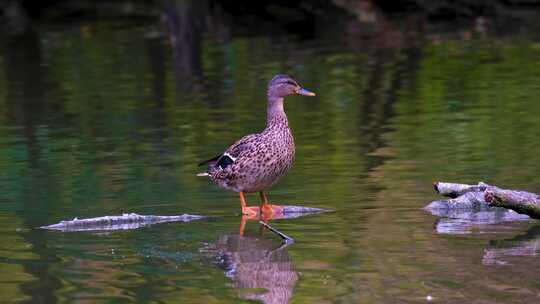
x=284 y=85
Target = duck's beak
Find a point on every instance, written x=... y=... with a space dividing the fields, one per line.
x=304 y=92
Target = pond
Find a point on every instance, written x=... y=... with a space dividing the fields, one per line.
x=102 y=118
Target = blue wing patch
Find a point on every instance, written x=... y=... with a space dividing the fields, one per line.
x=224 y=161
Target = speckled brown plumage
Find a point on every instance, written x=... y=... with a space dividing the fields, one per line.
x=257 y=161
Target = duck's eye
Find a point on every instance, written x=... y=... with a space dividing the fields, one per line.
x=291 y=83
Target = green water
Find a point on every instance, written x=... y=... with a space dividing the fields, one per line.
x=100 y=119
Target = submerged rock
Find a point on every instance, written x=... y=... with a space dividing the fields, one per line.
x=474 y=215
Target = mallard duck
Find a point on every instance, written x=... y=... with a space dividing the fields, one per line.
x=257 y=161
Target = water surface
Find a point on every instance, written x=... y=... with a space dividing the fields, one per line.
x=102 y=118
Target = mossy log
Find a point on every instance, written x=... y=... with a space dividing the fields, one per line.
x=520 y=201
x=455 y=190
x=467 y=196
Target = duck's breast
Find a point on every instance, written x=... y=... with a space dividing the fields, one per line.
x=272 y=162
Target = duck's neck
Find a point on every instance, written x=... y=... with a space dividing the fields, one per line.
x=275 y=114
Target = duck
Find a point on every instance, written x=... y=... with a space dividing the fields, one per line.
x=257 y=161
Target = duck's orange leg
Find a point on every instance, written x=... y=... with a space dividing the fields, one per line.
x=268 y=211
x=243 y=224
x=251 y=212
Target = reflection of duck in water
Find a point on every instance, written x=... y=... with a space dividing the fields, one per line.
x=256 y=263
x=257 y=161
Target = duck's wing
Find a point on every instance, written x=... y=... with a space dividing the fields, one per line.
x=234 y=152
x=243 y=146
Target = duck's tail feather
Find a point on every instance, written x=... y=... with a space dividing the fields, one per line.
x=210 y=161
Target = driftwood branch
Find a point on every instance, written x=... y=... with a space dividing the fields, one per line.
x=128 y=221
x=118 y=222
x=286 y=239
x=482 y=195
x=290 y=212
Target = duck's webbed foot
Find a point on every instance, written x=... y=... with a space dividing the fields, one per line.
x=250 y=212
x=273 y=210
x=269 y=211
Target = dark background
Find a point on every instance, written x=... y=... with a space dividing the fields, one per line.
x=305 y=18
